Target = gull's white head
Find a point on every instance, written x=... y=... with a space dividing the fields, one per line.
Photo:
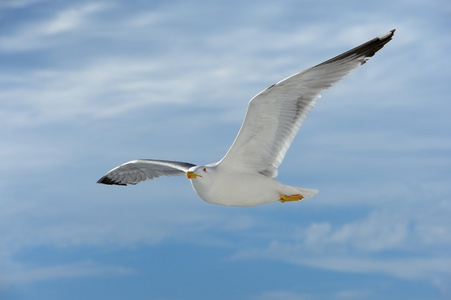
x=202 y=179
x=199 y=172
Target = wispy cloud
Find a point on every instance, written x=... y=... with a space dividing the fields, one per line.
x=413 y=268
x=282 y=295
x=289 y=295
x=17 y=3
x=47 y=33
x=20 y=274
x=377 y=244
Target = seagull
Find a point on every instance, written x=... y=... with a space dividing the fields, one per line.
x=246 y=175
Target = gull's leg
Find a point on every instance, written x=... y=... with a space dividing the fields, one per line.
x=287 y=198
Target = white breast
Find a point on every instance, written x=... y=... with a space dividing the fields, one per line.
x=237 y=189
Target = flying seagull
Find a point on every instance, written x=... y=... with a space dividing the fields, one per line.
x=246 y=175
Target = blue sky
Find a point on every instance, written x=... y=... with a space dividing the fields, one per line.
x=88 y=85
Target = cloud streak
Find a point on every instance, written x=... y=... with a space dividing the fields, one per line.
x=21 y=274
x=48 y=33
x=384 y=242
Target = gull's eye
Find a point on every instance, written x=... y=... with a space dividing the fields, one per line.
x=205 y=170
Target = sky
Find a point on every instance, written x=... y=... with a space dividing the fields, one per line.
x=88 y=85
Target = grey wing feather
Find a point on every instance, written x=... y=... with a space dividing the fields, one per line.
x=275 y=115
x=135 y=171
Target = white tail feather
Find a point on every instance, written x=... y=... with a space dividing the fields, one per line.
x=307 y=193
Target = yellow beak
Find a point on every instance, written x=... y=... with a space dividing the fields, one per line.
x=192 y=175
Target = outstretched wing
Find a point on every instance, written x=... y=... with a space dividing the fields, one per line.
x=275 y=115
x=135 y=171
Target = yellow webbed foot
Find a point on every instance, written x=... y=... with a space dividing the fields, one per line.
x=287 y=198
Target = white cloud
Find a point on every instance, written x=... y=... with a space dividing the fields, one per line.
x=53 y=219
x=69 y=19
x=18 y=3
x=113 y=86
x=289 y=295
x=39 y=34
x=18 y=274
x=376 y=233
x=104 y=89
x=351 y=294
x=413 y=268
x=390 y=241
x=410 y=268
x=282 y=295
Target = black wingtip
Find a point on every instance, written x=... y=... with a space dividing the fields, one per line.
x=367 y=49
x=383 y=39
x=109 y=181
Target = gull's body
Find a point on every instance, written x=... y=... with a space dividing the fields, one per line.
x=246 y=176
x=226 y=186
